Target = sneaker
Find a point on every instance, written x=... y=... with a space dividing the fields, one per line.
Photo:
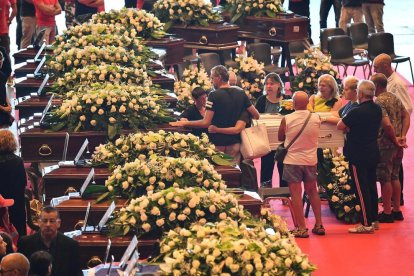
x=375 y=225
x=318 y=230
x=397 y=215
x=385 y=218
x=361 y=229
x=300 y=233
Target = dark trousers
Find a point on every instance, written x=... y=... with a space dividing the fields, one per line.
x=365 y=187
x=267 y=166
x=324 y=11
x=401 y=178
x=302 y=8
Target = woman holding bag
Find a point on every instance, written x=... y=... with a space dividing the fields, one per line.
x=270 y=103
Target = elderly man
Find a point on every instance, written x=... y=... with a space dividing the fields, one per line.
x=361 y=149
x=382 y=64
x=15 y=264
x=225 y=106
x=395 y=124
x=300 y=161
x=64 y=250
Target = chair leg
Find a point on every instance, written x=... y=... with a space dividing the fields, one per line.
x=355 y=71
x=345 y=70
x=411 y=69
x=306 y=202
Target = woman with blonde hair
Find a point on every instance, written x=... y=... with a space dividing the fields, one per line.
x=13 y=180
x=327 y=98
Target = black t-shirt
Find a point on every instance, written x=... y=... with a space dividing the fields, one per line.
x=27 y=9
x=228 y=105
x=81 y=9
x=361 y=147
x=192 y=114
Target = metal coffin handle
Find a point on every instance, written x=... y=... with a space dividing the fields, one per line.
x=203 y=40
x=45 y=150
x=272 y=31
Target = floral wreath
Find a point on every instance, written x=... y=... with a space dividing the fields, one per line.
x=241 y=8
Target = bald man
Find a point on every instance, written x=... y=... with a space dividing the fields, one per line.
x=15 y=264
x=301 y=160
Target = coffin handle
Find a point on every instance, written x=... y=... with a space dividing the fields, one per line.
x=94 y=261
x=45 y=150
x=326 y=136
x=203 y=40
x=272 y=31
x=79 y=225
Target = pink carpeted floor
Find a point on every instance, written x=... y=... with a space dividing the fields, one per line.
x=390 y=251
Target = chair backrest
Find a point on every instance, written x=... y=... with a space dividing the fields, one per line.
x=379 y=43
x=358 y=33
x=297 y=48
x=325 y=34
x=209 y=60
x=260 y=52
x=340 y=47
x=181 y=67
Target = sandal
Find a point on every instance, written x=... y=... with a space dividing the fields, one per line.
x=300 y=233
x=318 y=230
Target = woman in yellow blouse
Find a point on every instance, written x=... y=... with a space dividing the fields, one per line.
x=327 y=99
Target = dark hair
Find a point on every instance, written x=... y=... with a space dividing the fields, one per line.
x=379 y=80
x=39 y=263
x=7 y=239
x=50 y=209
x=276 y=78
x=221 y=71
x=198 y=92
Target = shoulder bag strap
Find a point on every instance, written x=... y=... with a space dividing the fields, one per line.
x=300 y=132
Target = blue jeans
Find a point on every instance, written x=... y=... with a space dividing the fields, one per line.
x=324 y=11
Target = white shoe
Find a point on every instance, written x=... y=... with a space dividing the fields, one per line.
x=375 y=225
x=361 y=229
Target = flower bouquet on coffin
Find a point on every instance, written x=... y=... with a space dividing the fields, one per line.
x=252 y=76
x=109 y=107
x=228 y=247
x=310 y=67
x=286 y=107
x=145 y=24
x=239 y=9
x=186 y=12
x=127 y=148
x=154 y=173
x=192 y=77
x=156 y=213
x=334 y=176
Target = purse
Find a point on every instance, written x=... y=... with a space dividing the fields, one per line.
x=254 y=142
x=281 y=150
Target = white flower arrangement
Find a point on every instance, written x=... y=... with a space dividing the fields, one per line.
x=192 y=77
x=337 y=183
x=159 y=212
x=241 y=8
x=127 y=148
x=187 y=12
x=115 y=74
x=252 y=75
x=109 y=107
x=146 y=24
x=228 y=247
x=156 y=173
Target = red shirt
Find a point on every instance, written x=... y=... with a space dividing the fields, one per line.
x=5 y=6
x=44 y=19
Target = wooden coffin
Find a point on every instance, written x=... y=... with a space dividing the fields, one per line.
x=28 y=105
x=28 y=53
x=95 y=245
x=172 y=45
x=57 y=181
x=73 y=210
x=25 y=86
x=329 y=136
x=285 y=27
x=24 y=68
x=216 y=37
x=39 y=145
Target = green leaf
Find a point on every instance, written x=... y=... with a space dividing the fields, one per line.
x=78 y=127
x=102 y=198
x=111 y=132
x=167 y=25
x=126 y=230
x=270 y=13
x=204 y=22
x=221 y=161
x=94 y=189
x=235 y=18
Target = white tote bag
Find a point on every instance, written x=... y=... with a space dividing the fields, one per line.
x=254 y=142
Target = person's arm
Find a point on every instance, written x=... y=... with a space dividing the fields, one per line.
x=92 y=3
x=311 y=104
x=334 y=119
x=204 y=123
x=253 y=111
x=240 y=125
x=389 y=130
x=281 y=135
x=342 y=126
x=336 y=106
x=13 y=13
x=58 y=8
x=46 y=9
x=7 y=108
x=405 y=126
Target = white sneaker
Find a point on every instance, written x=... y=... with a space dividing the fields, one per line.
x=361 y=229
x=375 y=225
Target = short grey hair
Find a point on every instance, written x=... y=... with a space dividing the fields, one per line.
x=221 y=71
x=366 y=88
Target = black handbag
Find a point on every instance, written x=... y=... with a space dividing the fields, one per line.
x=281 y=150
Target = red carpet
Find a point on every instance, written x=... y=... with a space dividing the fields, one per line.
x=390 y=251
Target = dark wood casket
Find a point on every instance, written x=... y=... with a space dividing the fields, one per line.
x=92 y=245
x=216 y=37
x=28 y=53
x=57 y=182
x=24 y=68
x=172 y=45
x=39 y=145
x=28 y=105
x=25 y=86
